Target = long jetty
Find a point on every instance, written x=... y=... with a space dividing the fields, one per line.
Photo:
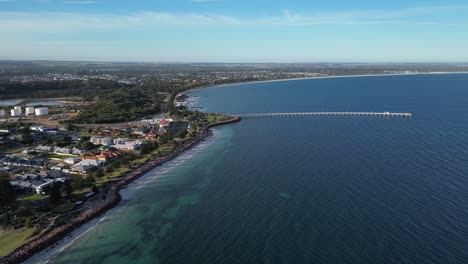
x=306 y=114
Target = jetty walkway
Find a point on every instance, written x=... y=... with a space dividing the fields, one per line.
x=305 y=114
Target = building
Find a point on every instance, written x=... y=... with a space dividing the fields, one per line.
x=101 y=140
x=29 y=110
x=62 y=150
x=2 y=113
x=44 y=148
x=71 y=161
x=39 y=128
x=18 y=162
x=15 y=112
x=165 y=123
x=41 y=187
x=41 y=111
x=126 y=144
x=81 y=168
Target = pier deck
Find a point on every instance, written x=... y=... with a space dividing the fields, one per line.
x=299 y=114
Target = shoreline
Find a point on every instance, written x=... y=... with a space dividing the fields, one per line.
x=321 y=77
x=127 y=194
x=52 y=238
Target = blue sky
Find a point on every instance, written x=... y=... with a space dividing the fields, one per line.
x=235 y=30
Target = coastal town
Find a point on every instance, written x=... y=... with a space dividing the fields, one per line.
x=54 y=169
x=71 y=139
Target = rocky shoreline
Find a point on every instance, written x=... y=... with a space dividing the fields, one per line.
x=113 y=199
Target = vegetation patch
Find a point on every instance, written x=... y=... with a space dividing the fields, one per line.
x=64 y=208
x=32 y=197
x=11 y=239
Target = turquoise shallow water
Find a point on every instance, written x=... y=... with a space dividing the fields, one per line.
x=307 y=190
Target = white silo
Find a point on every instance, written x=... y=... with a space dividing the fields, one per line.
x=2 y=113
x=15 y=112
x=42 y=111
x=30 y=110
x=19 y=109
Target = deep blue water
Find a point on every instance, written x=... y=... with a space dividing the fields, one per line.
x=308 y=190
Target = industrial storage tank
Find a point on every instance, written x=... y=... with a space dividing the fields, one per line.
x=18 y=109
x=2 y=113
x=42 y=111
x=15 y=112
x=30 y=110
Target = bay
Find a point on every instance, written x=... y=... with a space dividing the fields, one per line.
x=306 y=190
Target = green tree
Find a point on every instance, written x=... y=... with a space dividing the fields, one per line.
x=146 y=148
x=166 y=137
x=99 y=172
x=183 y=134
x=28 y=223
x=7 y=193
x=77 y=182
x=68 y=188
x=95 y=189
x=6 y=218
x=89 y=179
x=55 y=194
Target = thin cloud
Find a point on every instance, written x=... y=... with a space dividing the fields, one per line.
x=206 y=1
x=80 y=2
x=53 y=22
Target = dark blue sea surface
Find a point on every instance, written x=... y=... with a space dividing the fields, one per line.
x=309 y=189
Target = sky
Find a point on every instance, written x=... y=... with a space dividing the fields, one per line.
x=291 y=31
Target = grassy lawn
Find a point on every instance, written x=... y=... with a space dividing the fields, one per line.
x=115 y=174
x=32 y=197
x=64 y=208
x=59 y=156
x=11 y=239
x=82 y=191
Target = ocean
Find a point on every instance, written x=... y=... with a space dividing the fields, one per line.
x=305 y=189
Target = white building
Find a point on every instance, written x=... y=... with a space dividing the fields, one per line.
x=42 y=111
x=39 y=128
x=2 y=113
x=42 y=188
x=29 y=110
x=126 y=144
x=15 y=112
x=101 y=140
x=71 y=160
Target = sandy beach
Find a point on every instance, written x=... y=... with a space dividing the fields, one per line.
x=321 y=77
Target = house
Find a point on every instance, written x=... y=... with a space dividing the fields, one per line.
x=54 y=174
x=151 y=134
x=126 y=144
x=62 y=150
x=164 y=125
x=27 y=151
x=101 y=140
x=90 y=162
x=18 y=162
x=80 y=168
x=39 y=128
x=44 y=148
x=59 y=166
x=71 y=161
x=42 y=187
x=76 y=151
x=21 y=186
